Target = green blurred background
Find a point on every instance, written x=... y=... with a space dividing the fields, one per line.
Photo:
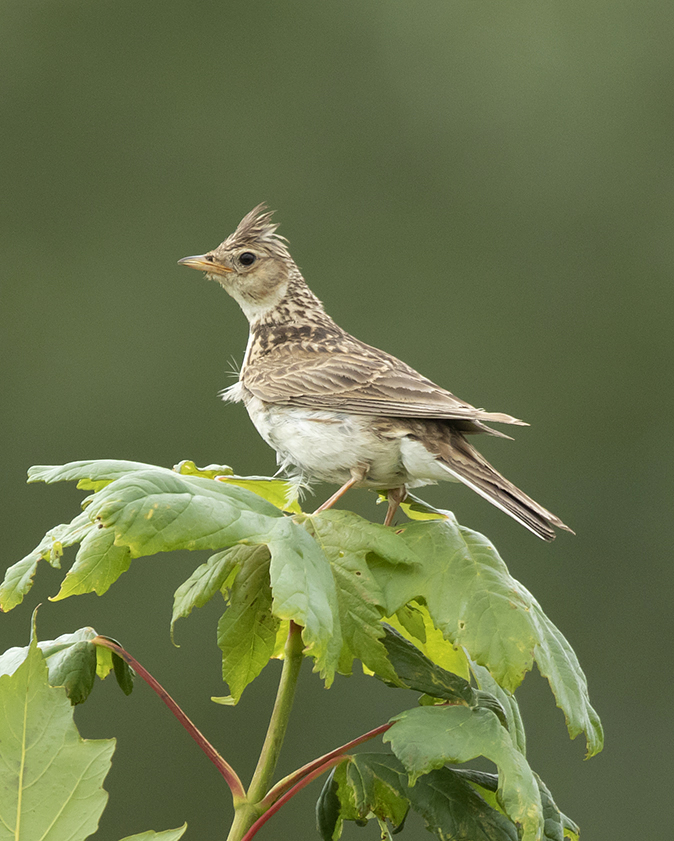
x=483 y=189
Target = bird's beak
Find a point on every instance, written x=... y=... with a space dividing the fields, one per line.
x=203 y=264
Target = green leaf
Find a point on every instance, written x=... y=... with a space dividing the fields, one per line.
x=302 y=586
x=304 y=591
x=363 y=792
x=484 y=783
x=277 y=491
x=98 y=564
x=156 y=510
x=418 y=627
x=278 y=653
x=416 y=671
x=103 y=661
x=349 y=543
x=475 y=602
x=428 y=737
x=189 y=468
x=224 y=700
x=410 y=623
x=247 y=629
x=372 y=793
x=328 y=809
x=376 y=785
x=507 y=701
x=208 y=579
x=74 y=668
x=280 y=492
x=70 y=658
x=419 y=509
x=97 y=472
x=415 y=508
x=165 y=835
x=52 y=779
x=558 y=663
x=556 y=825
x=19 y=577
x=18 y=580
x=469 y=595
x=454 y=811
x=281 y=639
x=124 y=674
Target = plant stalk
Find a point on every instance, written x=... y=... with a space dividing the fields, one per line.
x=321 y=764
x=229 y=774
x=308 y=778
x=249 y=811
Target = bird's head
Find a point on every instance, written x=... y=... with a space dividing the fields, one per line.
x=253 y=264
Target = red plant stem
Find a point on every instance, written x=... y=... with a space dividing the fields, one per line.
x=309 y=777
x=320 y=764
x=229 y=774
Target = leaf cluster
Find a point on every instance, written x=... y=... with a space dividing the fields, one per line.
x=52 y=778
x=429 y=606
x=73 y=662
x=456 y=804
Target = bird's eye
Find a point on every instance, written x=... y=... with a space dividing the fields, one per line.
x=247 y=258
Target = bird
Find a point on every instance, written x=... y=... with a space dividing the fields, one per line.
x=337 y=410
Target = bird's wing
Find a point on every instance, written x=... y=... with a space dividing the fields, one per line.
x=360 y=380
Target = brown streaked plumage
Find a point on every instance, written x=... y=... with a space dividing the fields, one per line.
x=341 y=411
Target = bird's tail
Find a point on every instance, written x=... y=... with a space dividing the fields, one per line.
x=464 y=463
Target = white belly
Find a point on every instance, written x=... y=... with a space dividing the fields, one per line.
x=328 y=446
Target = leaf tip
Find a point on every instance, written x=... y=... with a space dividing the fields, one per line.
x=225 y=700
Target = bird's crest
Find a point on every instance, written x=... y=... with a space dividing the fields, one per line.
x=257 y=227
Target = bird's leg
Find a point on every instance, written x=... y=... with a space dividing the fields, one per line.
x=357 y=475
x=395 y=497
x=333 y=499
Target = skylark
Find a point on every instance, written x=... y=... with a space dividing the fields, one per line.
x=338 y=410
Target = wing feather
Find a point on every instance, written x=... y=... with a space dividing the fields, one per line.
x=353 y=377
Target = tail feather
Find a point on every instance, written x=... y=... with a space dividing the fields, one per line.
x=466 y=464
